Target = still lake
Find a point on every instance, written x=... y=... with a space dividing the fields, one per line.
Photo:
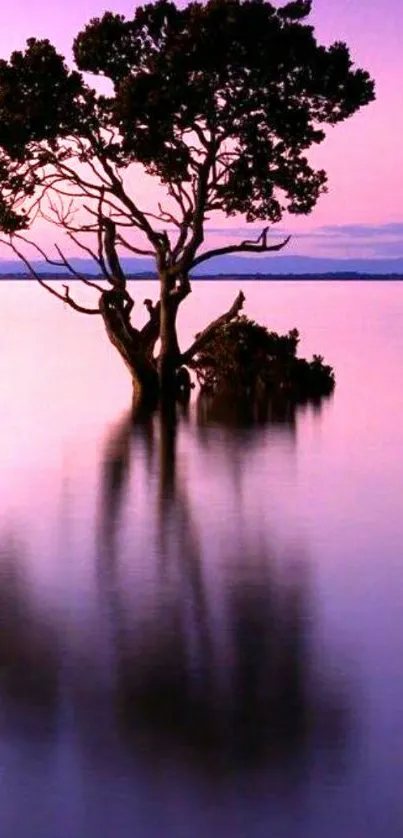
x=201 y=626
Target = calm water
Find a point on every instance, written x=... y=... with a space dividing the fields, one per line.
x=201 y=626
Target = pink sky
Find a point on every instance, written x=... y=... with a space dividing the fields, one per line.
x=363 y=157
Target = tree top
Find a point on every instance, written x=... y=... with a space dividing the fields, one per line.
x=220 y=101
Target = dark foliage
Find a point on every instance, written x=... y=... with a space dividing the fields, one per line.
x=243 y=72
x=240 y=87
x=244 y=358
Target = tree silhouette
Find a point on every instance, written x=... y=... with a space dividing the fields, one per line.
x=220 y=102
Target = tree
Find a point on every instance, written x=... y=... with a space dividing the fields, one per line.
x=220 y=102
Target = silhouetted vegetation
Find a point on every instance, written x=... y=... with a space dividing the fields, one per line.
x=260 y=370
x=219 y=101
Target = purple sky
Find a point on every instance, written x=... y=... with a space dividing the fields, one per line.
x=363 y=157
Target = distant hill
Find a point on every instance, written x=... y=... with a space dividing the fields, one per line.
x=265 y=266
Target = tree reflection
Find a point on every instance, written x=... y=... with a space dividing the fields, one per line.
x=279 y=410
x=221 y=670
x=201 y=654
x=29 y=653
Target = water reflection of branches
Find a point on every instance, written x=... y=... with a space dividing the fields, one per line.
x=279 y=411
x=222 y=674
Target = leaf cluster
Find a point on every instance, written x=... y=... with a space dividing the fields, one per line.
x=40 y=98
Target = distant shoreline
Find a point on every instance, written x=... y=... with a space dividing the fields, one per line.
x=350 y=276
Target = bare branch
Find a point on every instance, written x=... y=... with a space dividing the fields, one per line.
x=63 y=263
x=183 y=234
x=138 y=250
x=78 y=179
x=75 y=273
x=54 y=262
x=136 y=214
x=200 y=200
x=181 y=196
x=116 y=212
x=167 y=216
x=203 y=337
x=65 y=298
x=90 y=162
x=91 y=253
x=258 y=246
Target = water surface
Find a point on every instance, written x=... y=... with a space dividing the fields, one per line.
x=201 y=623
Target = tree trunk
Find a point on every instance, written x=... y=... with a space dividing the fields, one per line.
x=167 y=380
x=169 y=358
x=133 y=350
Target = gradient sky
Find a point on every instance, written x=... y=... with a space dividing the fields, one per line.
x=362 y=215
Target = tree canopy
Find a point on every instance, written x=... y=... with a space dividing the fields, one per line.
x=220 y=102
x=229 y=94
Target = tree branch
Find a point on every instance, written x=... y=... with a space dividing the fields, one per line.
x=258 y=246
x=90 y=252
x=181 y=196
x=75 y=273
x=137 y=215
x=200 y=200
x=118 y=276
x=203 y=337
x=64 y=263
x=100 y=239
x=138 y=250
x=151 y=331
x=183 y=233
x=65 y=298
